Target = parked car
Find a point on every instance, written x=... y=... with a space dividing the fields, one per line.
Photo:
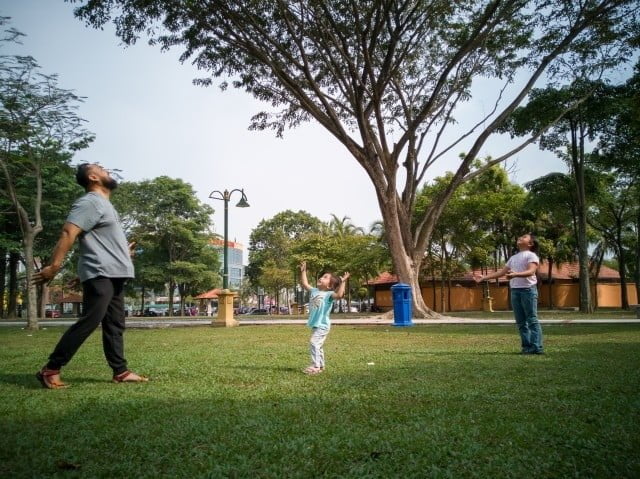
x=258 y=311
x=52 y=313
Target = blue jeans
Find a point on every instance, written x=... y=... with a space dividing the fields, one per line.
x=525 y=307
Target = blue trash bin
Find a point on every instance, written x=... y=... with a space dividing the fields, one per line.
x=402 y=304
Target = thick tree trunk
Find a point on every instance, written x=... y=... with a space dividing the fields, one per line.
x=598 y=260
x=406 y=266
x=32 y=302
x=142 y=293
x=577 y=158
x=622 y=269
x=172 y=286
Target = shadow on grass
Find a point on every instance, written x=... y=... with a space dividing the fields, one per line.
x=29 y=381
x=258 y=367
x=456 y=353
x=492 y=329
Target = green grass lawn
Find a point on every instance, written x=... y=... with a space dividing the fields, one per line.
x=438 y=401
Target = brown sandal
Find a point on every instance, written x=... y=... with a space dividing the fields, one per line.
x=125 y=378
x=45 y=375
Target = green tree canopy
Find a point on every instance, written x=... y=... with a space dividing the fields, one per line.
x=39 y=131
x=172 y=229
x=272 y=239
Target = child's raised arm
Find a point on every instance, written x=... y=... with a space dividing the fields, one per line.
x=339 y=293
x=502 y=272
x=303 y=276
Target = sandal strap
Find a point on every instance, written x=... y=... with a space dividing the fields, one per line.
x=122 y=376
x=49 y=372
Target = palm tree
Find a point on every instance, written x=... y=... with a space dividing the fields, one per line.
x=343 y=227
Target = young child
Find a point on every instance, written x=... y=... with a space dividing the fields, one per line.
x=330 y=287
x=521 y=270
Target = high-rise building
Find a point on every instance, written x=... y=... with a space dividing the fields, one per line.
x=235 y=251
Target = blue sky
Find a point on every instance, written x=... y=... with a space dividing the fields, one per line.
x=150 y=120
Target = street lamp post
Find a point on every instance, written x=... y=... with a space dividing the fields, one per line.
x=226 y=196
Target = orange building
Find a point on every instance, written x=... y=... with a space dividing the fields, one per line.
x=463 y=294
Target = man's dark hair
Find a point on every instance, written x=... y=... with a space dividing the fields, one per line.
x=82 y=174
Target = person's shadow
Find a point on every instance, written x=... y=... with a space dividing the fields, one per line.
x=29 y=381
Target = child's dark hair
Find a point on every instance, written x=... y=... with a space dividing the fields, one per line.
x=534 y=243
x=82 y=174
x=335 y=281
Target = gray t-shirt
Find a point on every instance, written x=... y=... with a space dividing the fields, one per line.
x=103 y=246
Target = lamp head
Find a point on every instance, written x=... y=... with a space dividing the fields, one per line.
x=243 y=202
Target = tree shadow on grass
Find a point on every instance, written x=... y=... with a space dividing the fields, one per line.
x=482 y=329
x=456 y=353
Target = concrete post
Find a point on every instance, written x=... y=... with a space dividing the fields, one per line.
x=225 y=310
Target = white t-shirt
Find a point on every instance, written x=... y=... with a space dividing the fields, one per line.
x=520 y=262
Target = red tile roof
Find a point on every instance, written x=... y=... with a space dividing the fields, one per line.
x=211 y=294
x=571 y=271
x=384 y=278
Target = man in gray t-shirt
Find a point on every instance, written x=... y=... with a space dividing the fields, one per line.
x=103 y=247
x=104 y=267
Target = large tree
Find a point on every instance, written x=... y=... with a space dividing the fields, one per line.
x=552 y=202
x=386 y=77
x=569 y=138
x=39 y=131
x=619 y=153
x=612 y=215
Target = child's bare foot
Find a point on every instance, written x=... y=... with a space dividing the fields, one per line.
x=311 y=370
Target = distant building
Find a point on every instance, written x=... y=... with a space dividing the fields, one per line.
x=236 y=254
